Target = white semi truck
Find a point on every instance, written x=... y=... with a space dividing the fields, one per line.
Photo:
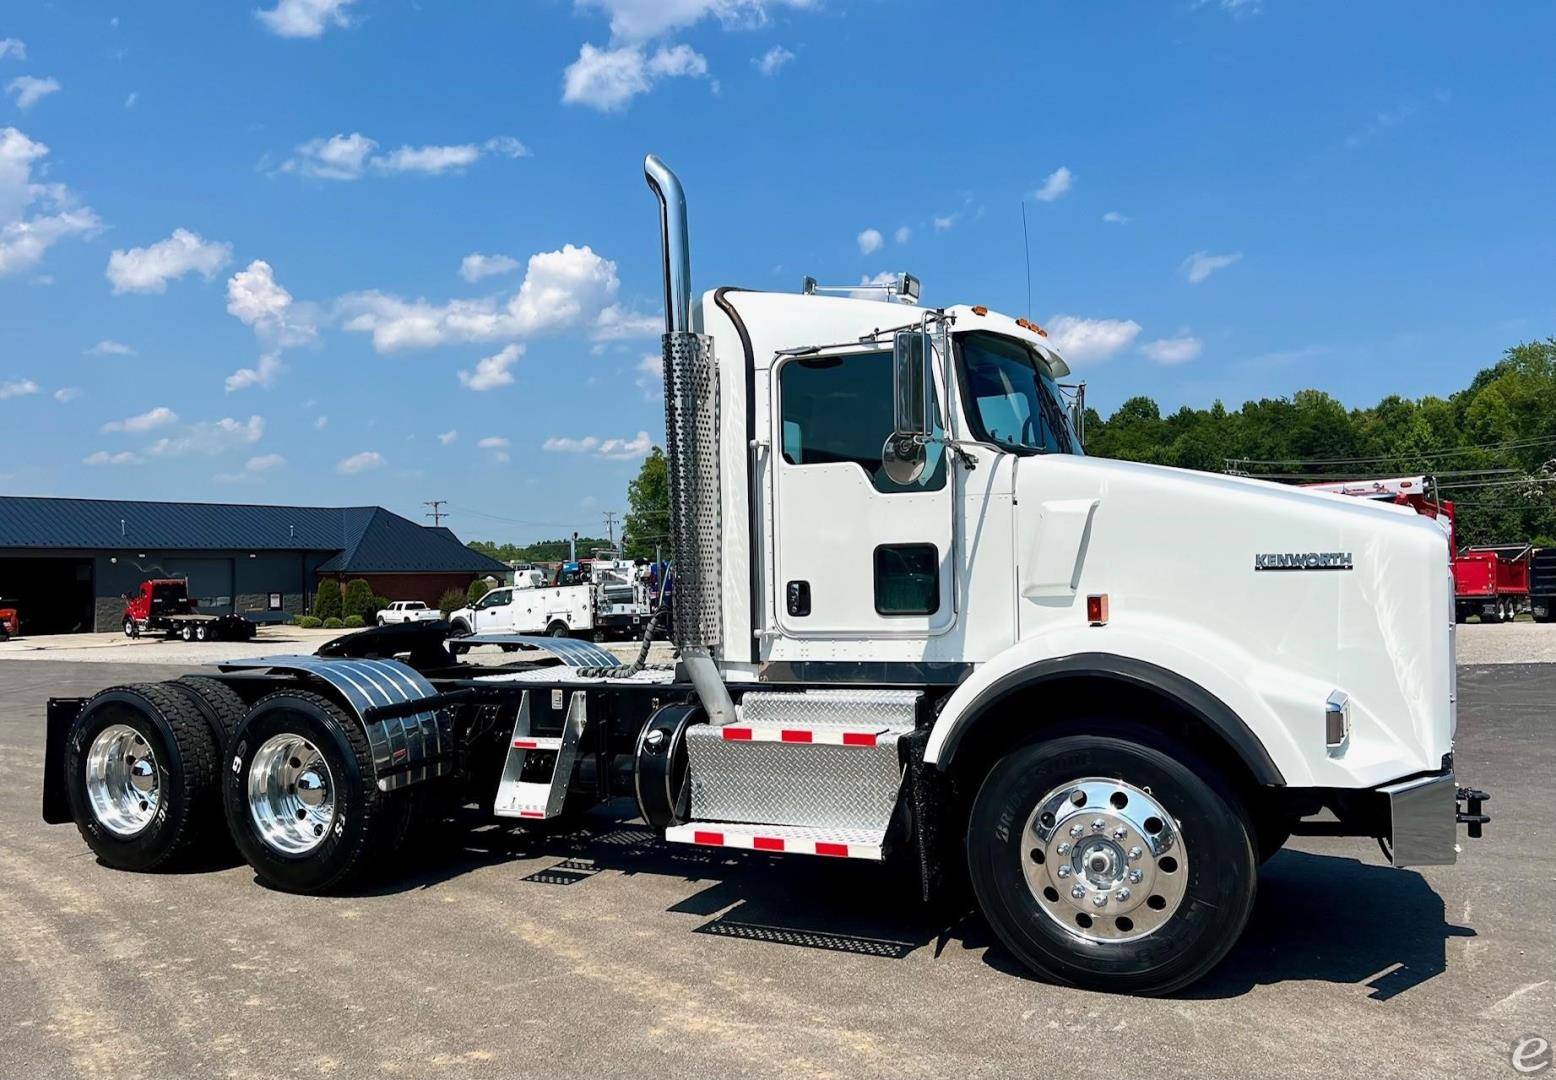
x=913 y=622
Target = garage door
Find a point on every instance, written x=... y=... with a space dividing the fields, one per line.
x=210 y=581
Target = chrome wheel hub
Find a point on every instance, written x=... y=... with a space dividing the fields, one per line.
x=291 y=794
x=123 y=783
x=1104 y=860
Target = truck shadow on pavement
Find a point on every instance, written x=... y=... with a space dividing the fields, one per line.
x=1304 y=925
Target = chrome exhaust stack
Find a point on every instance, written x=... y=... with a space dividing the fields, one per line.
x=692 y=456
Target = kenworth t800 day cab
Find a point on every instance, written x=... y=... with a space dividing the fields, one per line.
x=913 y=622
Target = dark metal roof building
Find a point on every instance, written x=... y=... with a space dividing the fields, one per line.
x=70 y=560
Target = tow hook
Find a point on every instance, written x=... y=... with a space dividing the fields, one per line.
x=1468 y=804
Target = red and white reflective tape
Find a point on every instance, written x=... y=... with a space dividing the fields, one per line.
x=829 y=736
x=728 y=837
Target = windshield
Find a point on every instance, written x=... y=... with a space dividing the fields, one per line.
x=1012 y=402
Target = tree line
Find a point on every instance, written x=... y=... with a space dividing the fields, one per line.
x=1491 y=445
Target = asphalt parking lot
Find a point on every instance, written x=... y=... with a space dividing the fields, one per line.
x=515 y=954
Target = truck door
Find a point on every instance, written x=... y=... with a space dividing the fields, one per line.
x=492 y=611
x=856 y=555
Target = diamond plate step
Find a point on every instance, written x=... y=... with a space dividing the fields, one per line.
x=533 y=799
x=790 y=839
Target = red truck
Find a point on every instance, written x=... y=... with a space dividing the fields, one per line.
x=10 y=620
x=162 y=605
x=1490 y=581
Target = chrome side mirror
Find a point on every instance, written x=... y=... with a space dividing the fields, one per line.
x=903 y=458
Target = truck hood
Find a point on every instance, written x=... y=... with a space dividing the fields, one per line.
x=1296 y=593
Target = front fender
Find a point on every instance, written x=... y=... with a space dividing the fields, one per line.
x=1272 y=716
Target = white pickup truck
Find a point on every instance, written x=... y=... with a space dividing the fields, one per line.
x=408 y=611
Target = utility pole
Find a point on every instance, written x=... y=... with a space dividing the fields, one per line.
x=610 y=527
x=436 y=514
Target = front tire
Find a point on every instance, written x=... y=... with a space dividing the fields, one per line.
x=301 y=798
x=140 y=773
x=130 y=629
x=1166 y=847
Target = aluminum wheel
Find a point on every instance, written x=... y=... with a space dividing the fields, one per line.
x=291 y=794
x=123 y=782
x=1104 y=860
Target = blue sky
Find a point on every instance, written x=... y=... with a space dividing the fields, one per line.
x=234 y=238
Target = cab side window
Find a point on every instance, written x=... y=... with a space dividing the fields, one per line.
x=839 y=409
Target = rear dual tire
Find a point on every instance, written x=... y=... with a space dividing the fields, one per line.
x=1197 y=871
x=301 y=798
x=140 y=773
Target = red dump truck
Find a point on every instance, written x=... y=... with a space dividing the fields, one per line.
x=1491 y=581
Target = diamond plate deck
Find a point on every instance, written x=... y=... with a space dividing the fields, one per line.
x=891 y=709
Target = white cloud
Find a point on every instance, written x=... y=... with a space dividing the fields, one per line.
x=17 y=388
x=211 y=437
x=55 y=213
x=66 y=394
x=1057 y=183
x=109 y=347
x=497 y=445
x=13 y=49
x=320 y=423
x=134 y=96
x=945 y=221
x=1082 y=340
x=773 y=60
x=616 y=323
x=1169 y=351
x=448 y=437
x=903 y=234
x=340 y=157
x=1113 y=217
x=651 y=377
x=492 y=371
x=254 y=468
x=635 y=447
x=349 y=157
x=304 y=18
x=640 y=20
x=149 y=269
x=607 y=79
x=870 y=241
x=561 y=289
x=161 y=416
x=29 y=90
x=1238 y=9
x=103 y=457
x=1200 y=265
x=476 y=266
x=256 y=300
x=264 y=374
x=356 y=463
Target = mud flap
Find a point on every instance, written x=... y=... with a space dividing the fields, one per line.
x=61 y=714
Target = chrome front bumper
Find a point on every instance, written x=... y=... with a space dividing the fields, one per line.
x=1424 y=819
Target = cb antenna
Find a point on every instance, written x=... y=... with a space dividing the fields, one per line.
x=1026 y=244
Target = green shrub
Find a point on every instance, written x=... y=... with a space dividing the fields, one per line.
x=326 y=601
x=359 y=600
x=451 y=600
x=478 y=588
x=353 y=622
x=332 y=623
x=379 y=603
x=309 y=622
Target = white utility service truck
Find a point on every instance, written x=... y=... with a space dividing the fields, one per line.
x=913 y=622
x=600 y=599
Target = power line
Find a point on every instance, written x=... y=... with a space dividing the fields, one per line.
x=1403 y=454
